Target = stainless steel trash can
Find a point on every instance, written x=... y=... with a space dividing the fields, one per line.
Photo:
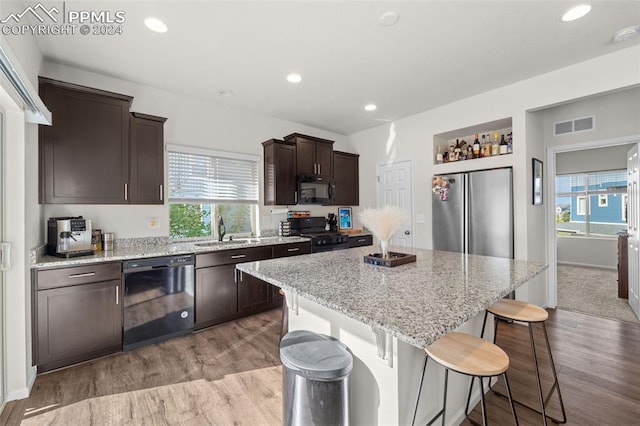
x=315 y=379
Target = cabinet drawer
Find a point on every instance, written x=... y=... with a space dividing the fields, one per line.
x=240 y=255
x=293 y=249
x=63 y=277
x=360 y=241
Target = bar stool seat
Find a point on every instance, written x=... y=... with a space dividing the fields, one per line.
x=469 y=355
x=508 y=309
x=518 y=311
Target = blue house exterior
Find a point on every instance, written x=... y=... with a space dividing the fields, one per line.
x=606 y=208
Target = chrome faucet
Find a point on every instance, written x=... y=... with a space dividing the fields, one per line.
x=221 y=229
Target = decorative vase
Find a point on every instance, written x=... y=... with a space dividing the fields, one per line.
x=384 y=249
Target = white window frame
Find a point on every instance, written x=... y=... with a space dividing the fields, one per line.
x=255 y=224
x=605 y=198
x=581 y=211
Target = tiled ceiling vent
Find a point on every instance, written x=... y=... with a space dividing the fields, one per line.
x=572 y=126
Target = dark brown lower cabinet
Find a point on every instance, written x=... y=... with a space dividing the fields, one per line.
x=254 y=295
x=216 y=295
x=78 y=323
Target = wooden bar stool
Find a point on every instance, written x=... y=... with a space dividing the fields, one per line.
x=469 y=355
x=515 y=310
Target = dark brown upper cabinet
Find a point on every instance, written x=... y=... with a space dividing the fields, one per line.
x=96 y=152
x=346 y=178
x=313 y=155
x=84 y=155
x=146 y=175
x=280 y=186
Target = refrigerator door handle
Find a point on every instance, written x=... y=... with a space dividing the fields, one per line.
x=465 y=213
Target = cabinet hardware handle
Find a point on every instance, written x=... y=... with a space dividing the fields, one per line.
x=240 y=273
x=295 y=197
x=319 y=170
x=161 y=192
x=117 y=295
x=126 y=191
x=235 y=276
x=294 y=249
x=362 y=240
x=87 y=274
x=238 y=256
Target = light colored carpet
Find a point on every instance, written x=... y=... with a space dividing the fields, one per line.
x=592 y=291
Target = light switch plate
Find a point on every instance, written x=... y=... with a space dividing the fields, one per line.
x=420 y=218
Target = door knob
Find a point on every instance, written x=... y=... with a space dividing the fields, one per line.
x=407 y=232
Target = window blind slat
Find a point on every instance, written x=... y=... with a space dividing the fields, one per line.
x=212 y=179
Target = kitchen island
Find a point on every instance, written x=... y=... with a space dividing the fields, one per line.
x=387 y=315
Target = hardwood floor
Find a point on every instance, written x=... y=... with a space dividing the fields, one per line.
x=224 y=375
x=598 y=364
x=231 y=374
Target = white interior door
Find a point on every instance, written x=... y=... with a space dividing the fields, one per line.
x=394 y=189
x=633 y=220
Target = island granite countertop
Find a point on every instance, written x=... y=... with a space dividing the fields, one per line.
x=417 y=302
x=158 y=247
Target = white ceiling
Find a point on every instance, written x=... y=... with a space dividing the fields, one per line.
x=438 y=52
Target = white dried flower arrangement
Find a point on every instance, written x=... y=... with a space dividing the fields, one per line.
x=383 y=223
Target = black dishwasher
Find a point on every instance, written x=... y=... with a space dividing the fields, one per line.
x=158 y=299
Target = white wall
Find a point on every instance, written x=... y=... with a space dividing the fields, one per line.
x=192 y=122
x=617 y=115
x=414 y=140
x=22 y=223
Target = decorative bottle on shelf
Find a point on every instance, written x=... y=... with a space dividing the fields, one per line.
x=482 y=146
x=495 y=150
x=476 y=147
x=487 y=146
x=503 y=145
x=457 y=151
x=439 y=156
x=510 y=143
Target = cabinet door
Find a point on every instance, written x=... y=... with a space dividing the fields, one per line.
x=84 y=155
x=324 y=158
x=77 y=323
x=346 y=177
x=216 y=295
x=254 y=295
x=280 y=184
x=360 y=240
x=305 y=156
x=146 y=183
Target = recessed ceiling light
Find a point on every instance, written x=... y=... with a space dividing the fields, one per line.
x=156 y=25
x=294 y=78
x=226 y=93
x=370 y=107
x=389 y=18
x=576 y=12
x=626 y=33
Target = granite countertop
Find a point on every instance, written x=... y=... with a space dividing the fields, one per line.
x=417 y=302
x=159 y=247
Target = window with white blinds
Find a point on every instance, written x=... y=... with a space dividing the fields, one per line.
x=214 y=178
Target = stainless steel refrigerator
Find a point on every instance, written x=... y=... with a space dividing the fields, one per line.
x=473 y=213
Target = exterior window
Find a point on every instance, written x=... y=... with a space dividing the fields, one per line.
x=206 y=185
x=603 y=200
x=583 y=204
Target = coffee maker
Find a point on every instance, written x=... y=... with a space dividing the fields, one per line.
x=69 y=236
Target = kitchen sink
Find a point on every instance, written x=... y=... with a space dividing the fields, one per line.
x=229 y=242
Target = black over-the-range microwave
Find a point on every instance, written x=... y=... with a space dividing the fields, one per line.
x=316 y=189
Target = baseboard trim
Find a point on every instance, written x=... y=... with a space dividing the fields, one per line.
x=26 y=391
x=588 y=265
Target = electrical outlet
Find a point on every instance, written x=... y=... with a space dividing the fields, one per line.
x=420 y=218
x=153 y=223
